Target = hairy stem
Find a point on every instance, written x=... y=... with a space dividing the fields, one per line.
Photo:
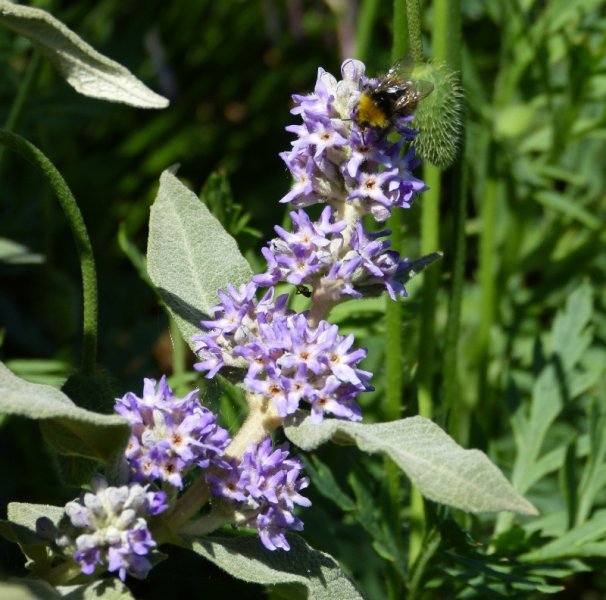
x=85 y=251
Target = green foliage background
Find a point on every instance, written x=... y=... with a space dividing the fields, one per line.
x=529 y=385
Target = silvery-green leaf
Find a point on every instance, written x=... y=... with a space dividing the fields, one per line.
x=13 y=253
x=442 y=470
x=85 y=69
x=190 y=256
x=28 y=589
x=27 y=515
x=302 y=567
x=75 y=430
x=29 y=525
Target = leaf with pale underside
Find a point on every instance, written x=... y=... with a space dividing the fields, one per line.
x=85 y=69
x=442 y=470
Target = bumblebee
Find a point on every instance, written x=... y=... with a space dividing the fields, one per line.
x=394 y=95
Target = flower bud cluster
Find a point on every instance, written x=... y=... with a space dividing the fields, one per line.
x=109 y=528
x=170 y=435
x=265 y=486
x=344 y=264
x=335 y=160
x=293 y=359
x=286 y=358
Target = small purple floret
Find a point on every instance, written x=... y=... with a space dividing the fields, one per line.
x=171 y=435
x=267 y=485
x=289 y=360
x=109 y=528
x=334 y=158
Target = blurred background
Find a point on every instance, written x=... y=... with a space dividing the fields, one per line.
x=534 y=74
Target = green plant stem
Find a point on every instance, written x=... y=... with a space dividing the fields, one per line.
x=415 y=39
x=430 y=229
x=188 y=505
x=393 y=337
x=25 y=89
x=85 y=251
x=446 y=37
x=487 y=281
x=429 y=243
x=179 y=348
x=394 y=362
x=207 y=523
x=366 y=21
x=399 y=45
x=459 y=415
x=430 y=546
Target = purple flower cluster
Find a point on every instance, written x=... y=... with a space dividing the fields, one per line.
x=109 y=528
x=334 y=160
x=170 y=435
x=266 y=485
x=325 y=254
x=287 y=359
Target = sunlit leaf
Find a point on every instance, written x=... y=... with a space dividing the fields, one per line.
x=190 y=256
x=442 y=470
x=85 y=69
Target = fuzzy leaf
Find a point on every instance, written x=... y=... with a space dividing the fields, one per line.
x=26 y=515
x=85 y=69
x=22 y=528
x=28 y=589
x=73 y=430
x=442 y=470
x=302 y=567
x=105 y=589
x=190 y=256
x=36 y=589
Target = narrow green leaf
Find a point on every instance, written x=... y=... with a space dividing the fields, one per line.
x=591 y=482
x=368 y=515
x=530 y=432
x=585 y=540
x=247 y=559
x=569 y=336
x=568 y=207
x=190 y=256
x=75 y=430
x=442 y=470
x=418 y=265
x=324 y=481
x=568 y=482
x=85 y=69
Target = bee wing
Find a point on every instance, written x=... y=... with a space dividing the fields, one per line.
x=422 y=89
x=401 y=69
